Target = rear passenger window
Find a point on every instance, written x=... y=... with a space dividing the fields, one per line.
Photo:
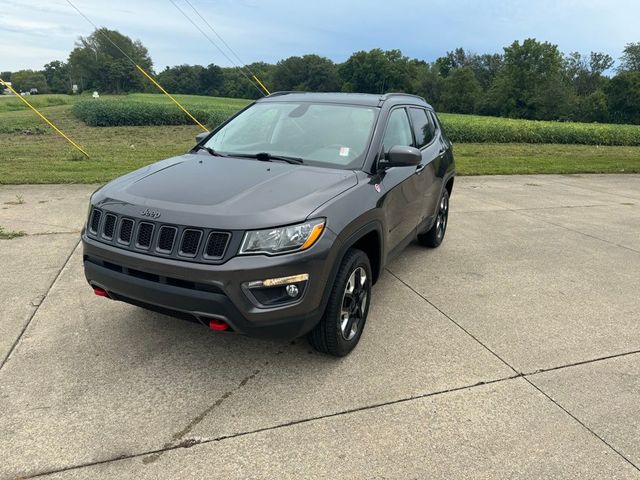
x=435 y=123
x=398 y=130
x=423 y=127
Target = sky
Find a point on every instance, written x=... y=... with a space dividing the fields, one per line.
x=33 y=32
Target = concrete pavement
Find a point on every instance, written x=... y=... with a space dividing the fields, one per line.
x=513 y=350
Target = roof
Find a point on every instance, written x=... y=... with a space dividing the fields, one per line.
x=367 y=99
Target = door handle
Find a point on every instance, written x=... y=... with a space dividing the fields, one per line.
x=421 y=167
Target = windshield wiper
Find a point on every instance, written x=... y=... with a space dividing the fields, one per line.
x=210 y=151
x=268 y=157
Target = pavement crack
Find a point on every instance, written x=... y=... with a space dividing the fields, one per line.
x=37 y=307
x=153 y=455
x=189 y=442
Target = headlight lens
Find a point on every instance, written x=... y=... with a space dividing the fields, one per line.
x=282 y=239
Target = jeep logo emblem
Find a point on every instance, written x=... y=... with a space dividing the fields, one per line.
x=150 y=213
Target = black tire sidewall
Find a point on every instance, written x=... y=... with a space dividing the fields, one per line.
x=336 y=344
x=430 y=238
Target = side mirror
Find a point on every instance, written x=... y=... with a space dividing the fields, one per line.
x=403 y=156
x=201 y=136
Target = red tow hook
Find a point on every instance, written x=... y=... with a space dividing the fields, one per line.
x=101 y=292
x=218 y=325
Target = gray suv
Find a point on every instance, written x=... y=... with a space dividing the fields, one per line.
x=278 y=222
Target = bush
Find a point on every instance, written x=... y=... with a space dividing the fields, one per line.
x=459 y=128
x=117 y=113
x=477 y=129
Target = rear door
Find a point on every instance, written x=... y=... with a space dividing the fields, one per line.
x=425 y=132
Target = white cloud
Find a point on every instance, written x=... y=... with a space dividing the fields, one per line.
x=43 y=31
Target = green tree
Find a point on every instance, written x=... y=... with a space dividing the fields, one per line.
x=237 y=85
x=25 y=80
x=6 y=76
x=427 y=83
x=182 y=79
x=623 y=97
x=630 y=60
x=461 y=91
x=452 y=60
x=530 y=83
x=592 y=107
x=587 y=74
x=306 y=73
x=96 y=63
x=58 y=78
x=377 y=71
x=485 y=67
x=211 y=80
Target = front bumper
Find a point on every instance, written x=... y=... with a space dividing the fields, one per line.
x=201 y=292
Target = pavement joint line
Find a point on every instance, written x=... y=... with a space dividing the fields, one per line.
x=581 y=423
x=521 y=212
x=189 y=444
x=453 y=321
x=580 y=363
x=524 y=376
x=507 y=209
x=576 y=231
x=559 y=182
x=272 y=427
x=37 y=307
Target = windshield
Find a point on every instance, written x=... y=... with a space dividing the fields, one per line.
x=319 y=133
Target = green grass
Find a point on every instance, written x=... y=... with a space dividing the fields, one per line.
x=44 y=157
x=519 y=158
x=9 y=103
x=10 y=234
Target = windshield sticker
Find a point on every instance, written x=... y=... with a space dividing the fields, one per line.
x=344 y=151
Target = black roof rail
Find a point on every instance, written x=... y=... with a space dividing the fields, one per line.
x=284 y=92
x=400 y=94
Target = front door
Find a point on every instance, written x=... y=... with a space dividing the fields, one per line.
x=401 y=186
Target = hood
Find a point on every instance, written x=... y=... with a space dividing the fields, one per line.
x=225 y=192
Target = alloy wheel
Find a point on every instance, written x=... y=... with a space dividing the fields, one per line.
x=443 y=216
x=354 y=303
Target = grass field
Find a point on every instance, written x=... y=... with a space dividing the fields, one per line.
x=31 y=153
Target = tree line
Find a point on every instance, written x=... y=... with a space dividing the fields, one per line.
x=530 y=79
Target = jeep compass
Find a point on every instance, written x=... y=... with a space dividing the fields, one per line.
x=279 y=221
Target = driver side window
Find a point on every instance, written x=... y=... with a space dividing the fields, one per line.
x=398 y=130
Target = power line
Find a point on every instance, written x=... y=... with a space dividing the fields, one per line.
x=60 y=132
x=218 y=47
x=147 y=75
x=224 y=43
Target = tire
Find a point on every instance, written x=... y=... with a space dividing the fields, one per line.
x=434 y=237
x=335 y=334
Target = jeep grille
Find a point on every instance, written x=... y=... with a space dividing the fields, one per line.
x=154 y=238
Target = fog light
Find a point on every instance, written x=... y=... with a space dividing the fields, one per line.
x=276 y=291
x=292 y=291
x=274 y=282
